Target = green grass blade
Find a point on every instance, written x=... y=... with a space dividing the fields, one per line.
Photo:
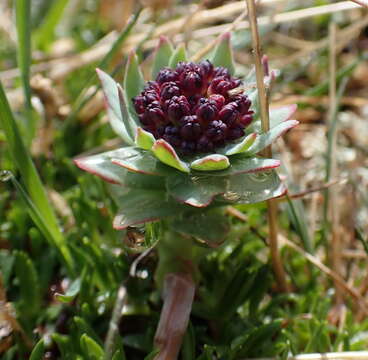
x=45 y=33
x=30 y=176
x=23 y=25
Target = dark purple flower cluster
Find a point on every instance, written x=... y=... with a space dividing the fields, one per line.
x=191 y=108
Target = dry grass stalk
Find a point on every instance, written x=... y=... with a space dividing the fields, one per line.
x=335 y=239
x=114 y=322
x=355 y=294
x=363 y=3
x=264 y=110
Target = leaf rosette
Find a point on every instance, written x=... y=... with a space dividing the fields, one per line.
x=192 y=137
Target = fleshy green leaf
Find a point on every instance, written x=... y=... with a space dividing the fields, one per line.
x=162 y=55
x=265 y=139
x=253 y=188
x=130 y=120
x=197 y=191
x=114 y=110
x=201 y=190
x=140 y=206
x=38 y=351
x=140 y=161
x=281 y=114
x=144 y=139
x=223 y=53
x=91 y=349
x=241 y=164
x=277 y=116
x=102 y=166
x=71 y=293
x=133 y=82
x=178 y=55
x=241 y=146
x=166 y=153
x=212 y=162
x=208 y=226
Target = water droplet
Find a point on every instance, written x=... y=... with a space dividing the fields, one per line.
x=5 y=175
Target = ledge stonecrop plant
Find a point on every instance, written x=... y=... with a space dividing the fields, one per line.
x=192 y=138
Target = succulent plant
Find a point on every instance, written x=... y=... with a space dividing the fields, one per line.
x=191 y=137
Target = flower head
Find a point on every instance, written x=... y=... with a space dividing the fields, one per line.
x=191 y=107
x=198 y=110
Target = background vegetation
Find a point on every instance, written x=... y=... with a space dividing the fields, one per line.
x=64 y=269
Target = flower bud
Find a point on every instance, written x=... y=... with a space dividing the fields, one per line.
x=191 y=82
x=166 y=75
x=235 y=133
x=169 y=90
x=139 y=104
x=190 y=128
x=245 y=120
x=205 y=144
x=207 y=111
x=218 y=99
x=177 y=107
x=229 y=113
x=221 y=85
x=206 y=69
x=188 y=147
x=243 y=103
x=221 y=71
x=216 y=130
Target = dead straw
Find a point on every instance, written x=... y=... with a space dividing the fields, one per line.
x=264 y=110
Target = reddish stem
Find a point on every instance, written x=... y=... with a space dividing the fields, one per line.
x=179 y=291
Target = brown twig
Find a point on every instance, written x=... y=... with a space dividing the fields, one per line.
x=264 y=110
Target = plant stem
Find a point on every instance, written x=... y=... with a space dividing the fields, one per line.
x=264 y=111
x=178 y=292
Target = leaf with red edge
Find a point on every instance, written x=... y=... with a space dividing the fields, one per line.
x=241 y=146
x=213 y=162
x=198 y=191
x=177 y=56
x=144 y=139
x=133 y=82
x=141 y=206
x=223 y=53
x=167 y=154
x=162 y=55
x=266 y=139
x=277 y=116
x=141 y=161
x=113 y=105
x=102 y=166
x=253 y=188
x=241 y=164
